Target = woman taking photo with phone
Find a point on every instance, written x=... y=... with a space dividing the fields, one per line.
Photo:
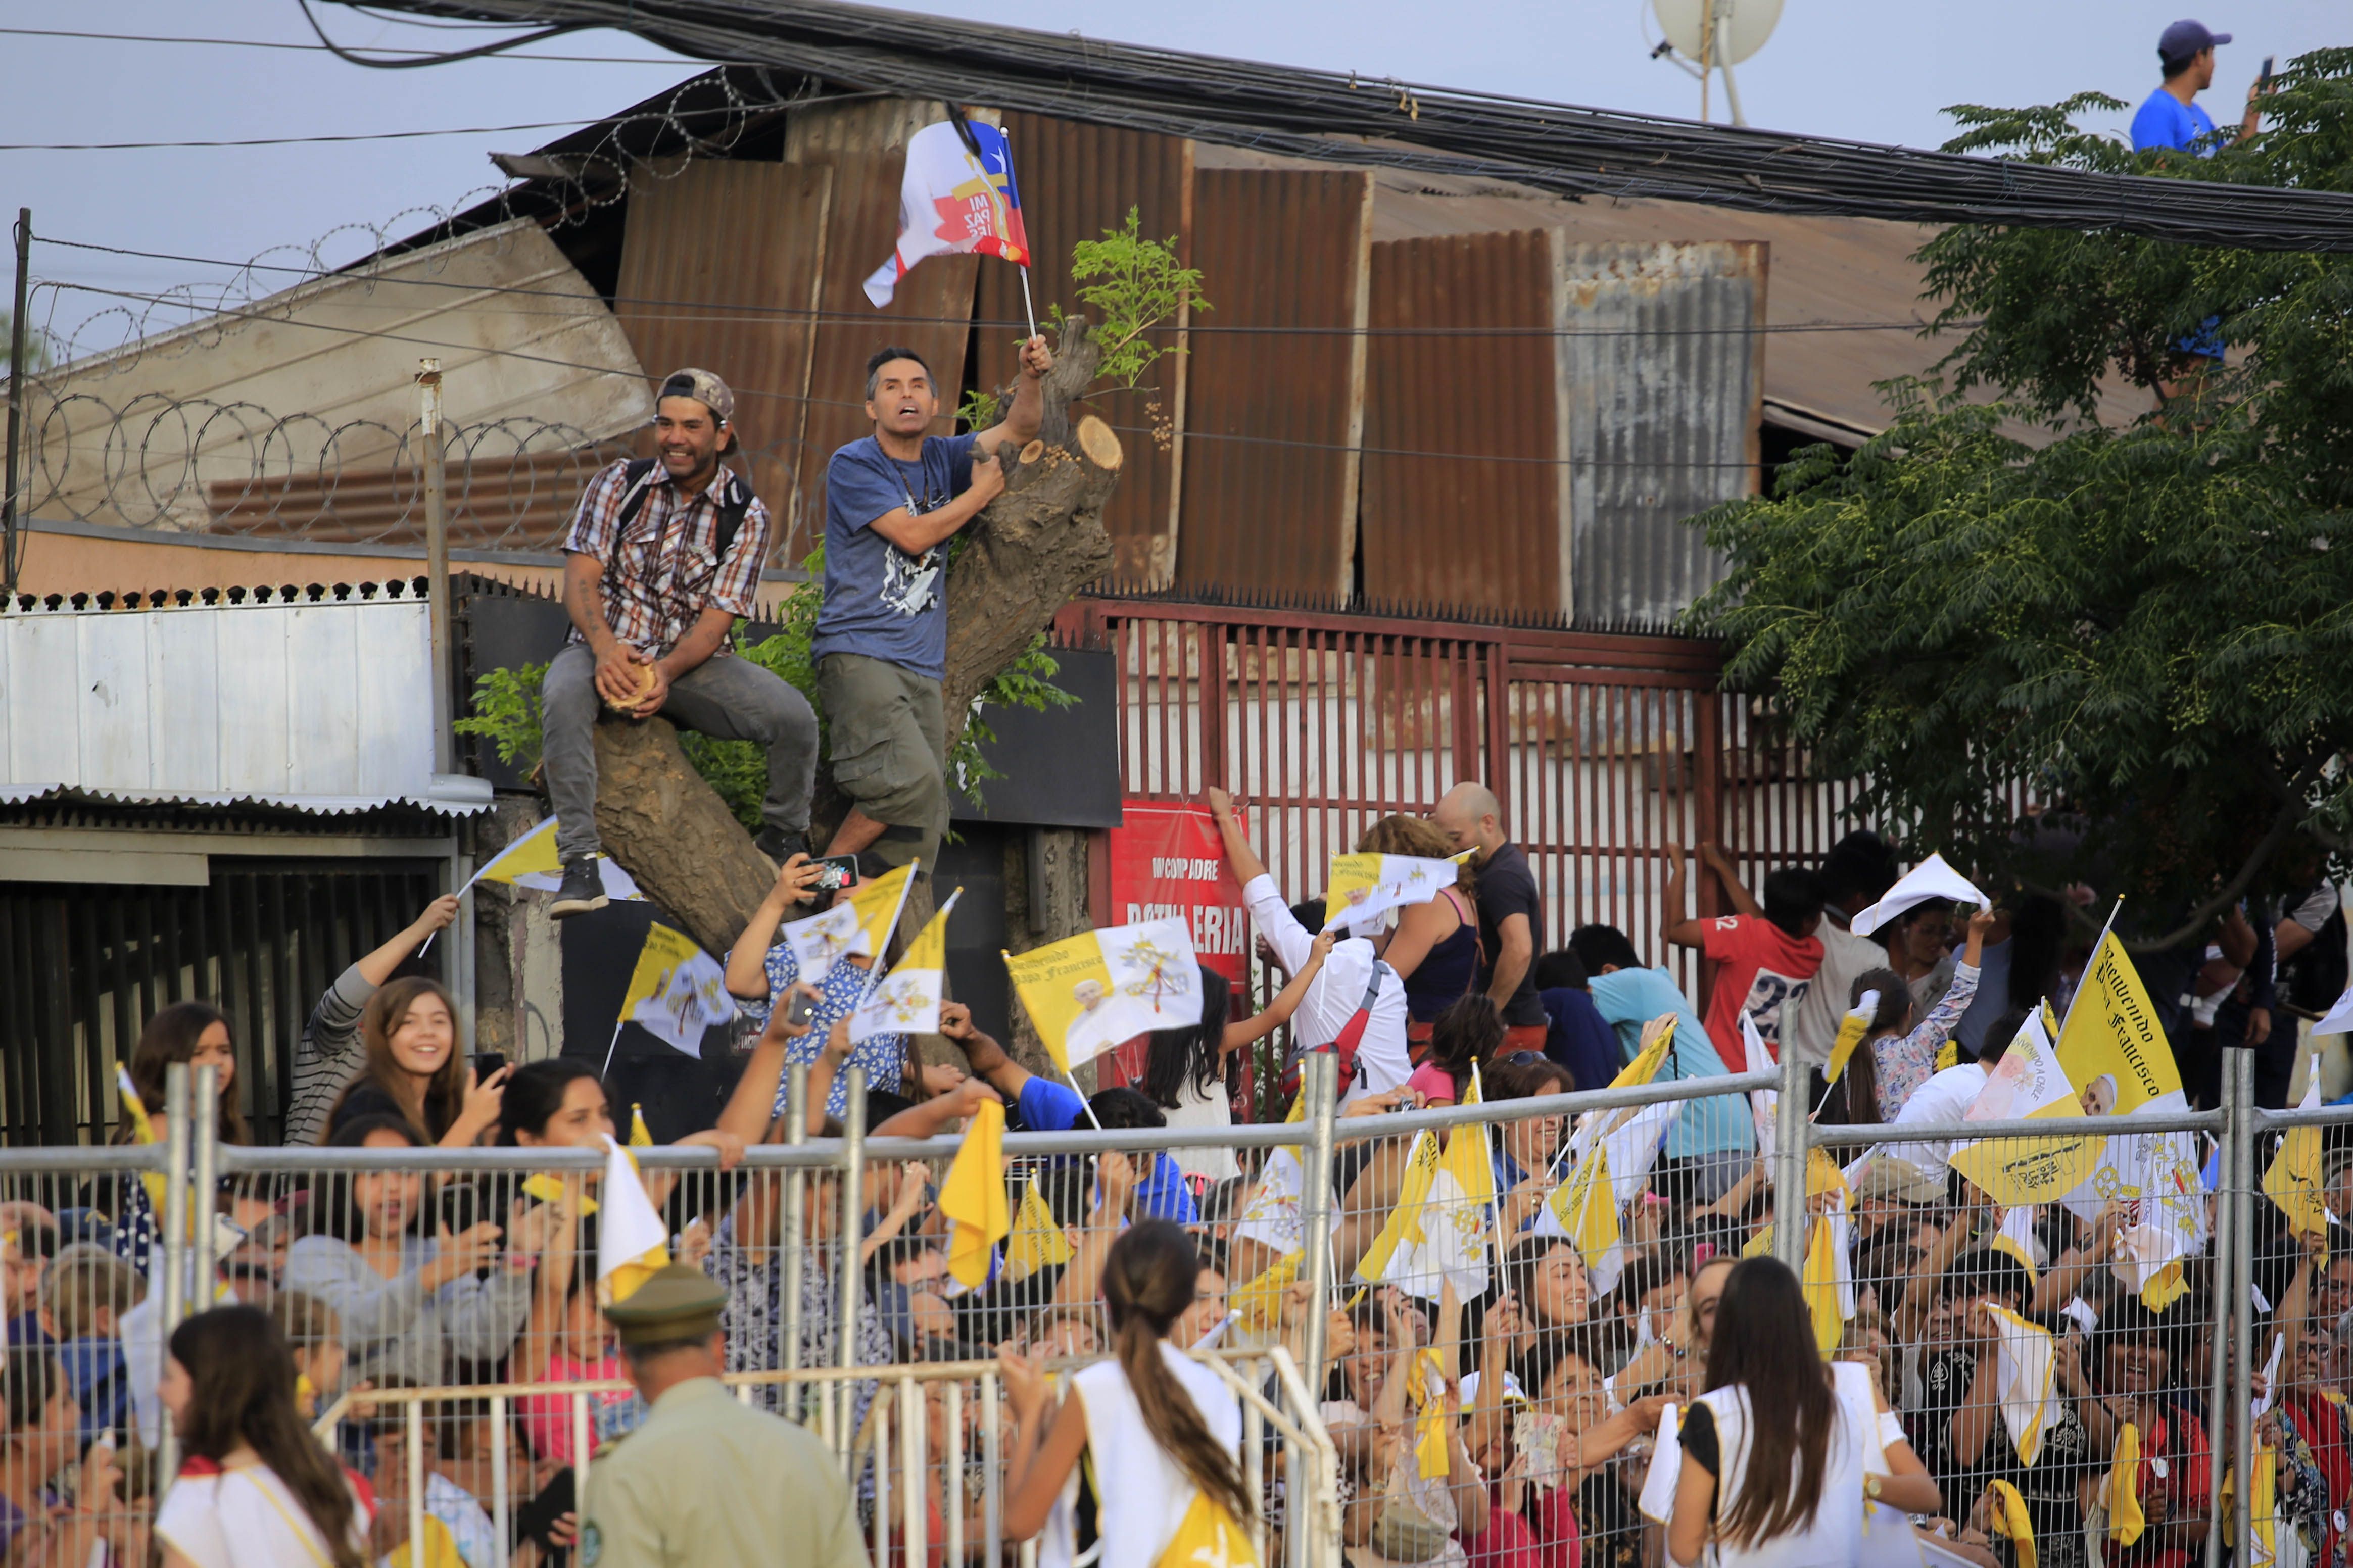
x=1782 y=1452
x=762 y=973
x=257 y=1490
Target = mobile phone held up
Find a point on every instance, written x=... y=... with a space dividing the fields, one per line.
x=798 y=1005
x=836 y=872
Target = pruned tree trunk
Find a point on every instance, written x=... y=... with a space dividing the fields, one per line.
x=1023 y=558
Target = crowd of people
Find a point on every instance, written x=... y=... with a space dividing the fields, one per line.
x=1512 y=1416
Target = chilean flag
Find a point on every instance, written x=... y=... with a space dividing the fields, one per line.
x=955 y=200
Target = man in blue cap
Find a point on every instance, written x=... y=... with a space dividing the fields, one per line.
x=2172 y=116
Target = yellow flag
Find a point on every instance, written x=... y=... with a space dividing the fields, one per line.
x=1260 y=1301
x=2010 y=1518
x=1037 y=1240
x=640 y=1136
x=1208 y=1537
x=1090 y=992
x=1589 y=1211
x=1404 y=1224
x=2125 y=1520
x=2293 y=1178
x=1820 y=1285
x=1427 y=1391
x=2016 y=1237
x=1761 y=1244
x=1949 y=1055
x=2263 y=1503
x=1361 y=887
x=677 y=990
x=2112 y=1047
x=549 y=1189
x=2165 y=1286
x=142 y=1131
x=972 y=1199
x=632 y=1243
x=907 y=1002
x=1469 y=1160
x=1850 y=1031
x=2028 y=1082
x=860 y=924
x=1658 y=1035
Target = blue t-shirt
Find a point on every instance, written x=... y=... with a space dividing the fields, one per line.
x=2164 y=121
x=879 y=601
x=1630 y=998
x=1045 y=1106
x=1579 y=1038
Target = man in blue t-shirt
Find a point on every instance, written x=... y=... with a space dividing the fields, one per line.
x=893 y=501
x=2172 y=116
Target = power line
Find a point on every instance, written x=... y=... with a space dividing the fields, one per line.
x=310 y=48
x=451 y=56
x=646 y=308
x=279 y=141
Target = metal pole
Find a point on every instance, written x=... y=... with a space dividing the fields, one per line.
x=174 y=1260
x=17 y=350
x=1790 y=1125
x=1724 y=61
x=2242 y=1066
x=203 y=1136
x=853 y=1227
x=2227 y=1247
x=461 y=946
x=992 y=1467
x=437 y=558
x=794 y=1236
x=1319 y=1081
x=501 y=1507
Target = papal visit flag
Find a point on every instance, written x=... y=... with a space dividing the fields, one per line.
x=531 y=861
x=907 y=1002
x=1363 y=888
x=1088 y=992
x=972 y=1198
x=677 y=991
x=860 y=924
x=958 y=198
x=631 y=1243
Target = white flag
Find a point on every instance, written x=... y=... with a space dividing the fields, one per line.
x=1092 y=991
x=907 y=1000
x=1658 y=1500
x=631 y=1242
x=1931 y=878
x=2024 y=1362
x=1363 y=888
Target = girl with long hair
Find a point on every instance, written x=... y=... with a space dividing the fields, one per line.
x=1163 y=1432
x=1465 y=1036
x=1434 y=948
x=1188 y=1072
x=1782 y=1452
x=195 y=1034
x=258 y=1489
x=415 y=1067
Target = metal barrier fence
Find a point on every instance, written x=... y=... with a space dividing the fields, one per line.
x=1326 y=1311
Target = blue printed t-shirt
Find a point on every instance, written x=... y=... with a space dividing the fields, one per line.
x=1045 y=1106
x=2164 y=121
x=879 y=601
x=1630 y=998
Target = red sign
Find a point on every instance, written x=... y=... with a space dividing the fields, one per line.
x=1168 y=860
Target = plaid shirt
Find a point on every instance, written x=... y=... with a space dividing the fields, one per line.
x=663 y=571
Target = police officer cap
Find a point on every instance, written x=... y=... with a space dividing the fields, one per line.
x=677 y=1302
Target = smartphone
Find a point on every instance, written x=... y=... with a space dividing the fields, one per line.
x=836 y=871
x=798 y=1005
x=2264 y=80
x=488 y=1062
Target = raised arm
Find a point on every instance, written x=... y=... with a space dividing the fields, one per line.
x=1743 y=902
x=1082 y=1280
x=1675 y=929
x=1248 y=866
x=747 y=960
x=753 y=1103
x=1286 y=1001
x=1289 y=939
x=1022 y=421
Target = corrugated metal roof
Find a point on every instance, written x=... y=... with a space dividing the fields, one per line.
x=712 y=253
x=1076 y=182
x=321 y=707
x=1277 y=248
x=1482 y=528
x=864 y=144
x=1665 y=382
x=322 y=379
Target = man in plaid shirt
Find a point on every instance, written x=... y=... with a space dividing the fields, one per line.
x=654 y=592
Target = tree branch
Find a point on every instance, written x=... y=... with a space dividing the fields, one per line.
x=2291 y=811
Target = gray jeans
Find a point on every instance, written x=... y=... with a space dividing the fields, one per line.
x=726 y=698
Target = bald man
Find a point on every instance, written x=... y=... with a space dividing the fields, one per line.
x=1510 y=910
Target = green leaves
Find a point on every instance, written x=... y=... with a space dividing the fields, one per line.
x=1133 y=284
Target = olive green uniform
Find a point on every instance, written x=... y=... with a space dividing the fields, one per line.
x=708 y=1482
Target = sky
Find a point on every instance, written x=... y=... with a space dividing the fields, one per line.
x=1859 y=70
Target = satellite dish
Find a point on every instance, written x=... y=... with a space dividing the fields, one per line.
x=1744 y=24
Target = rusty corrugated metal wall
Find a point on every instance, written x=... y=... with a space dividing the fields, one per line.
x=1664 y=365
x=1076 y=182
x=1482 y=528
x=720 y=267
x=864 y=145
x=1275 y=510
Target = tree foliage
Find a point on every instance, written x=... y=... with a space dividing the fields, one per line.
x=2145 y=631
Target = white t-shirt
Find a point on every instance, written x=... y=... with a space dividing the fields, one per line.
x=1141 y=1492
x=1836 y=1534
x=1198 y=1108
x=1334 y=994
x=1946 y=1097
x=246 y=1517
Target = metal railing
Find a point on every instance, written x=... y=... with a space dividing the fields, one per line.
x=894 y=1373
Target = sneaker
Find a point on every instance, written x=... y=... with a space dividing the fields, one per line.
x=583 y=890
x=781 y=843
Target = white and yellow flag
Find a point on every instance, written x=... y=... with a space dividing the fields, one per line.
x=907 y=1001
x=2118 y=1059
x=1658 y=1038
x=1403 y=1228
x=860 y=924
x=2294 y=1179
x=1585 y=1208
x=2025 y=1361
x=677 y=991
x=631 y=1242
x=531 y=861
x=1363 y=888
x=2027 y=1082
x=1457 y=1214
x=1088 y=992
x=1272 y=1218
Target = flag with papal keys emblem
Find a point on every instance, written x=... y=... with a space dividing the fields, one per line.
x=1363 y=888
x=676 y=992
x=860 y=924
x=531 y=861
x=2027 y=1082
x=907 y=1000
x=956 y=198
x=1450 y=1244
x=1090 y=992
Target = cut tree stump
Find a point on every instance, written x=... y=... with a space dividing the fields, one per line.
x=1023 y=558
